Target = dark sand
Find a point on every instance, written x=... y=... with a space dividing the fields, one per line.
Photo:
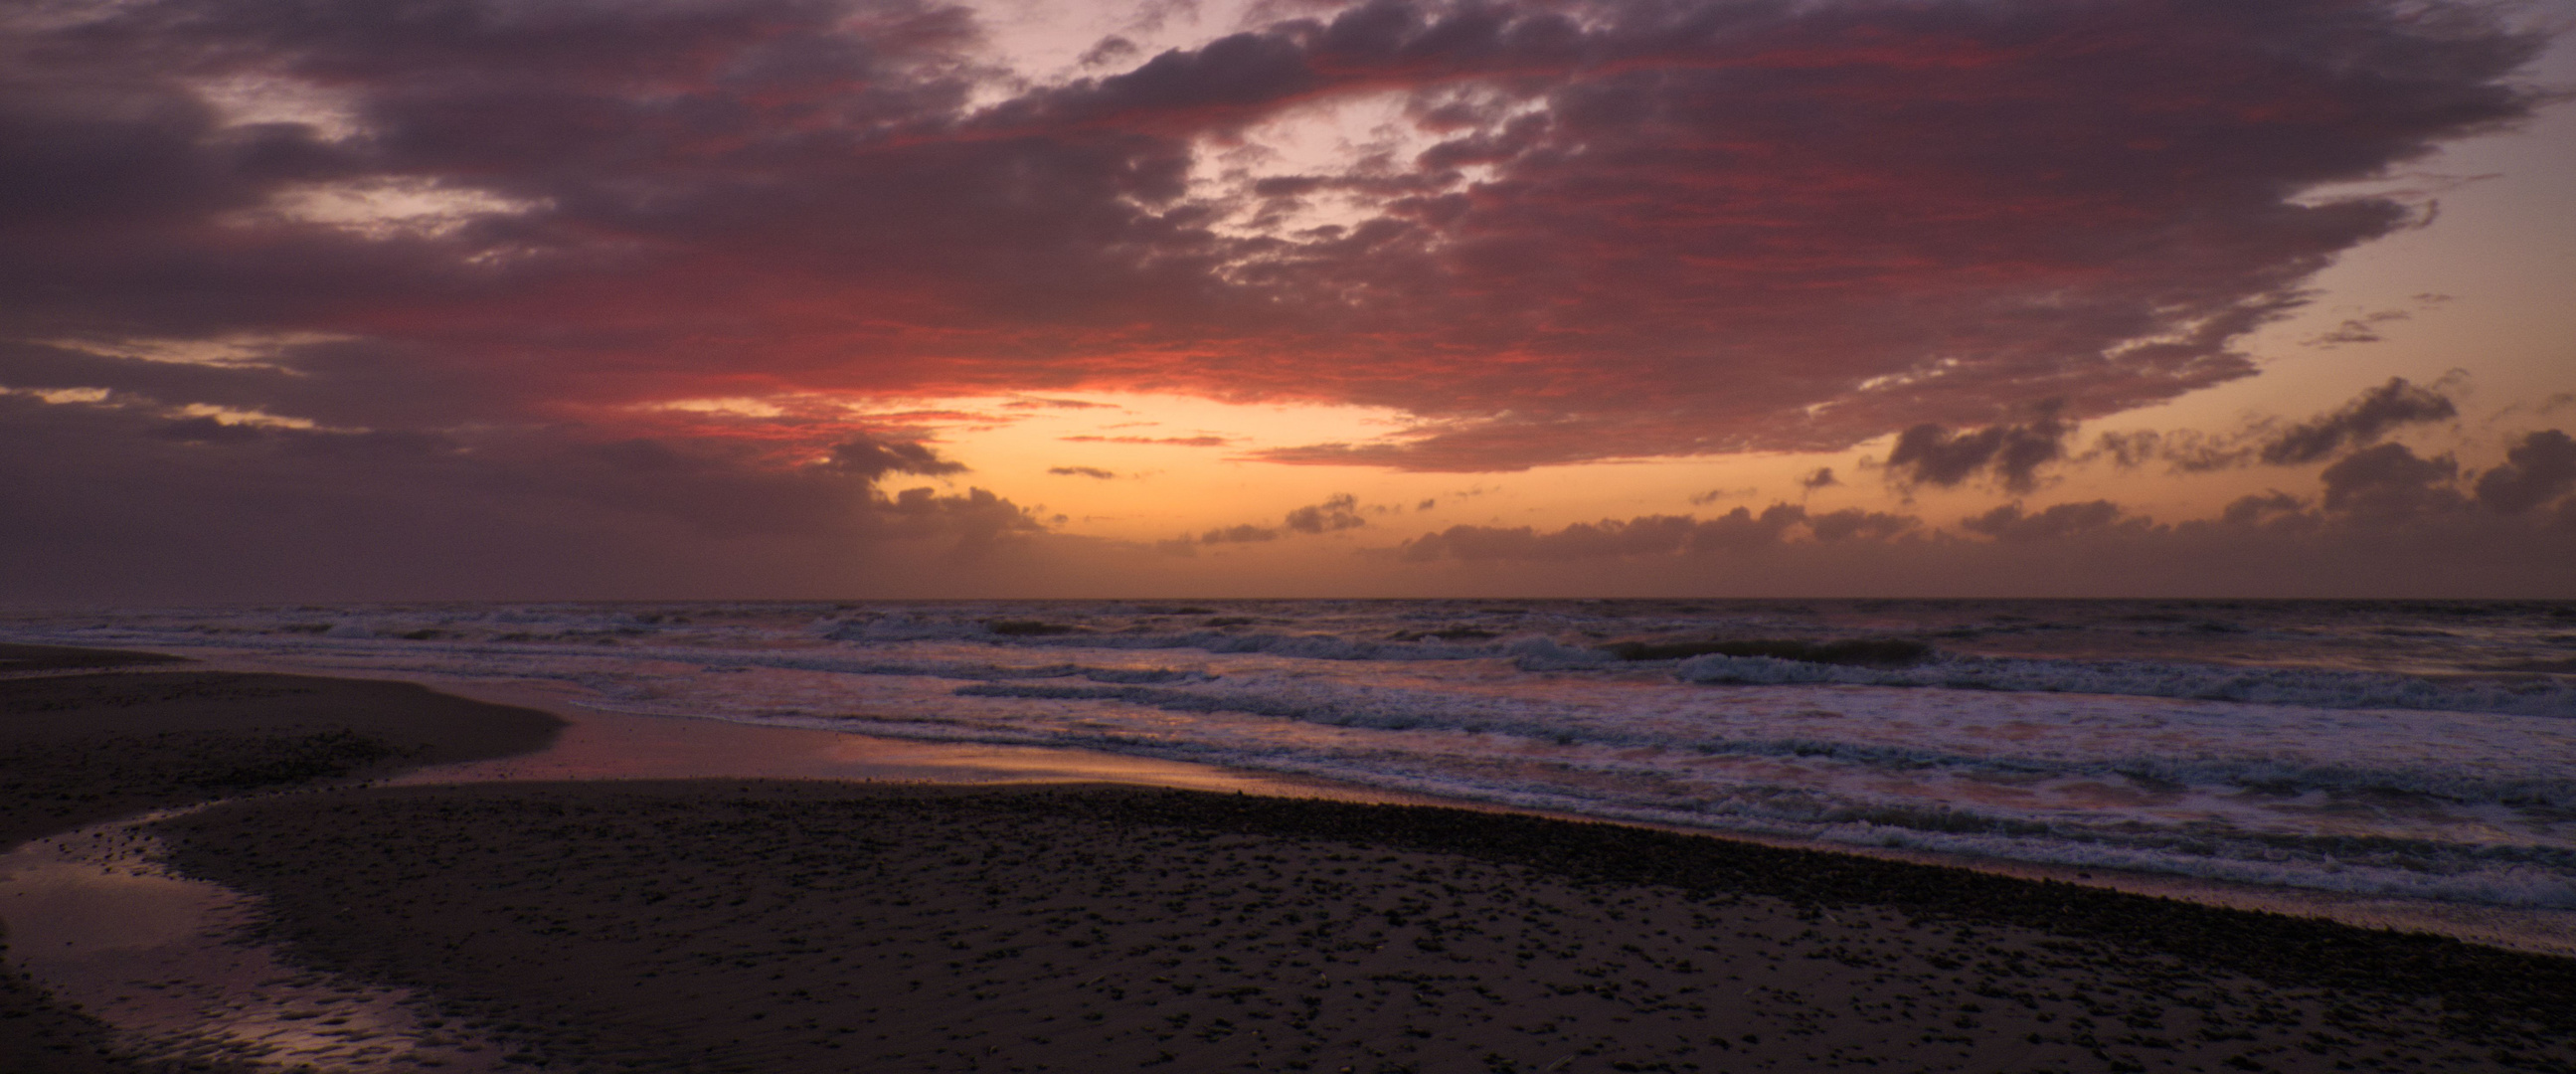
x=785 y=926
x=733 y=925
x=77 y=749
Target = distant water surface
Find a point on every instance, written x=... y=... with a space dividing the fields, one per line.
x=2407 y=749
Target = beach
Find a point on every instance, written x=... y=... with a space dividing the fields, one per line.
x=791 y=925
x=78 y=747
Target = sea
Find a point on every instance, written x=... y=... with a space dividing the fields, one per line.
x=2419 y=750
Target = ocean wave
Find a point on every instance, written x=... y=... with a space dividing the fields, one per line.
x=1040 y=635
x=1870 y=725
x=2470 y=873
x=1398 y=711
x=2311 y=688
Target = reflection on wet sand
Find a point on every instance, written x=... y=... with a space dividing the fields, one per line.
x=95 y=919
x=599 y=745
x=99 y=924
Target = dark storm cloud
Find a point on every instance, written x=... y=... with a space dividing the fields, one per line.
x=2539 y=468
x=1635 y=229
x=2362 y=421
x=1931 y=455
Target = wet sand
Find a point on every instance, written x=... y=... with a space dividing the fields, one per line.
x=785 y=926
x=782 y=925
x=80 y=743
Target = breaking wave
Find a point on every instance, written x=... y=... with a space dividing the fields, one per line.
x=2387 y=749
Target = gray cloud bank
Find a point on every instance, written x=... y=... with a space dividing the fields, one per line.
x=2420 y=523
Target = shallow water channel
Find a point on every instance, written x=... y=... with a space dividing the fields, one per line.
x=98 y=921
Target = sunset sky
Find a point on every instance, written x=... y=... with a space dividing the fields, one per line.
x=421 y=299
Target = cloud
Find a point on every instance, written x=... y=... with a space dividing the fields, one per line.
x=2363 y=329
x=2362 y=421
x=2373 y=414
x=2538 y=469
x=2008 y=523
x=1852 y=523
x=1821 y=477
x=1703 y=499
x=2271 y=506
x=870 y=459
x=1081 y=471
x=2185 y=451
x=2129 y=449
x=2390 y=482
x=1336 y=513
x=489 y=248
x=2274 y=546
x=1931 y=455
x=1739 y=531
x=1742 y=532
x=1652 y=535
x=1240 y=534
x=144 y=508
x=1623 y=230
x=1174 y=441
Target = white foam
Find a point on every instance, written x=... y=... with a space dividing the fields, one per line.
x=2323 y=779
x=2320 y=688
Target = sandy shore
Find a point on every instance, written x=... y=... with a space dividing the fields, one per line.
x=79 y=746
x=806 y=925
x=781 y=926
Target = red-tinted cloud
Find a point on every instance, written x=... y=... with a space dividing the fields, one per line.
x=1693 y=226
x=1661 y=227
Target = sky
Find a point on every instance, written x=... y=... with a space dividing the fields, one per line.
x=639 y=299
